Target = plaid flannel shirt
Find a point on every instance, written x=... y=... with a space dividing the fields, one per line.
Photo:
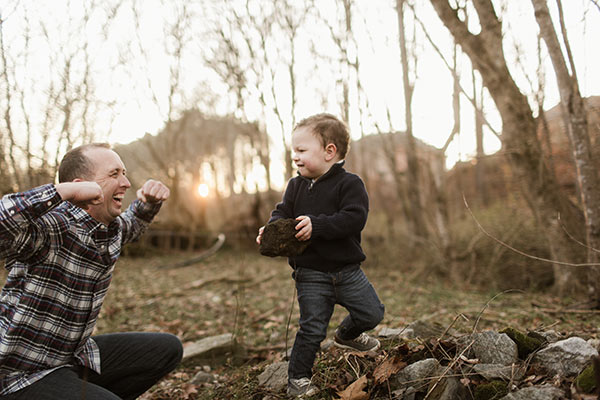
x=60 y=263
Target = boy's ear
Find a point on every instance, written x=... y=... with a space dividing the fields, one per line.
x=330 y=151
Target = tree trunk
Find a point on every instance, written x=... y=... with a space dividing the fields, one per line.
x=519 y=138
x=413 y=181
x=573 y=108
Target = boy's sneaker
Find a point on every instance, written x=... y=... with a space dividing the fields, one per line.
x=301 y=387
x=363 y=342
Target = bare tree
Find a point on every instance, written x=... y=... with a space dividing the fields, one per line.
x=49 y=111
x=519 y=129
x=413 y=181
x=575 y=114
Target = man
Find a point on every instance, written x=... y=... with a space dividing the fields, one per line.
x=60 y=243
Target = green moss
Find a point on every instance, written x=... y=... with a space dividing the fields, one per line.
x=586 y=380
x=491 y=391
x=525 y=344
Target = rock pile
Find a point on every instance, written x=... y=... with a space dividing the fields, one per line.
x=423 y=360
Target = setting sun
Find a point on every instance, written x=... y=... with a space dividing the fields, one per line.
x=203 y=190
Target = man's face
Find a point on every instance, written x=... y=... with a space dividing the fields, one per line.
x=309 y=154
x=109 y=172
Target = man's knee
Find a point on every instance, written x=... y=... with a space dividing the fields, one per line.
x=173 y=350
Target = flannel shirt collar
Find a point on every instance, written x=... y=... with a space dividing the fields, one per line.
x=88 y=222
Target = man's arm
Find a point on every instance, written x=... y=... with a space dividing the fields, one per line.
x=140 y=213
x=22 y=231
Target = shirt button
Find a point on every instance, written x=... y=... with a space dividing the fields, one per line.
x=49 y=203
x=102 y=247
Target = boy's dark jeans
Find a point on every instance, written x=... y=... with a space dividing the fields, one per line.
x=318 y=292
x=131 y=363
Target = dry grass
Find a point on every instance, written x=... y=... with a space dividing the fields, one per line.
x=250 y=295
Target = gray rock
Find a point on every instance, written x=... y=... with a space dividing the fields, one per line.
x=408 y=393
x=565 y=357
x=390 y=332
x=423 y=330
x=209 y=346
x=416 y=375
x=492 y=348
x=202 y=377
x=448 y=388
x=550 y=336
x=543 y=392
x=498 y=371
x=275 y=376
x=595 y=343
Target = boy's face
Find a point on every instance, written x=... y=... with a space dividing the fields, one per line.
x=311 y=158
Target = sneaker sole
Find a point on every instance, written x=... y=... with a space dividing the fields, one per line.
x=310 y=392
x=343 y=346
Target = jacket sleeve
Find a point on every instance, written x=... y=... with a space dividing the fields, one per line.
x=23 y=232
x=285 y=208
x=351 y=217
x=136 y=219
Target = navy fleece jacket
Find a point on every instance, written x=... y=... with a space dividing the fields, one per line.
x=337 y=204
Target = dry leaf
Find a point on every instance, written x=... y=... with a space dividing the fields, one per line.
x=387 y=368
x=355 y=390
x=188 y=390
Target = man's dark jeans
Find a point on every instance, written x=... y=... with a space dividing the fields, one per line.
x=131 y=363
x=318 y=293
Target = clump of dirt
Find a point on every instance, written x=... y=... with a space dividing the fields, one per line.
x=279 y=239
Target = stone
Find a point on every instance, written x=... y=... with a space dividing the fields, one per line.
x=416 y=375
x=566 y=357
x=202 y=377
x=498 y=371
x=278 y=239
x=209 y=347
x=543 y=392
x=274 y=376
x=491 y=347
x=389 y=333
x=423 y=330
x=448 y=388
x=525 y=344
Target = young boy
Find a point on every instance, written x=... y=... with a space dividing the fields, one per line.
x=331 y=206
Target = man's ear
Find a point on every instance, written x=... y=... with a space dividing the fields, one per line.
x=77 y=180
x=330 y=151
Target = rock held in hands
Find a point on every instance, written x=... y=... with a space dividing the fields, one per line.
x=278 y=239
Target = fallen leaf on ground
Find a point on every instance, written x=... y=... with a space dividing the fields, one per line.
x=388 y=368
x=355 y=390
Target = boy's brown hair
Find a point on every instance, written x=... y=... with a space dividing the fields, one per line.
x=328 y=129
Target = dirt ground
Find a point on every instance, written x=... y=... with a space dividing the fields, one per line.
x=251 y=296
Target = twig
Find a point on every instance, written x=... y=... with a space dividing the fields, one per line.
x=448 y=368
x=568 y=264
x=488 y=303
x=452 y=324
x=212 y=250
x=573 y=238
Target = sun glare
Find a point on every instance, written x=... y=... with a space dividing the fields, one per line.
x=203 y=190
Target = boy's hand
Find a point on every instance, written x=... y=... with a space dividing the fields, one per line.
x=153 y=192
x=304 y=228
x=81 y=193
x=260 y=233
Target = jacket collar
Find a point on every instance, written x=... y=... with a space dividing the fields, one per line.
x=334 y=170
